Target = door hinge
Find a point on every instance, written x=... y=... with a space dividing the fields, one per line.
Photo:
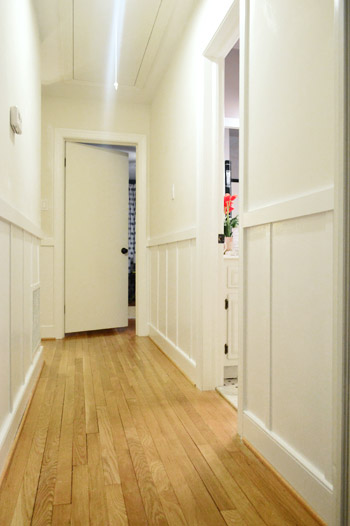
x=226 y=348
x=221 y=238
x=226 y=304
x=65 y=162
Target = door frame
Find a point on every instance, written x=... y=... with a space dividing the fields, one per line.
x=62 y=135
x=210 y=209
x=343 y=198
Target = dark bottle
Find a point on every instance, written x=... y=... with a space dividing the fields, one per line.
x=227 y=177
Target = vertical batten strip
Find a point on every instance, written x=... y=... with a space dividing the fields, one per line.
x=177 y=293
x=269 y=356
x=243 y=165
x=157 y=287
x=166 y=288
x=193 y=284
x=23 y=307
x=10 y=320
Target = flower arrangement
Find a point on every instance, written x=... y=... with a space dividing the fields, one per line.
x=230 y=222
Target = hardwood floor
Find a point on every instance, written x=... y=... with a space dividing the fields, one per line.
x=116 y=435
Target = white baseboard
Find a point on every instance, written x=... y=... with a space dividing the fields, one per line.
x=47 y=331
x=177 y=355
x=131 y=312
x=298 y=472
x=11 y=424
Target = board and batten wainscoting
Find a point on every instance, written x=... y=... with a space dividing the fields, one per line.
x=287 y=362
x=172 y=270
x=20 y=350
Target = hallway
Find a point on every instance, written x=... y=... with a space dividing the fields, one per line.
x=115 y=434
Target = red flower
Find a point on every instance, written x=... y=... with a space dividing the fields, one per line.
x=228 y=200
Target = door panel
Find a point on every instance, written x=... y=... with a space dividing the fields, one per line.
x=96 y=272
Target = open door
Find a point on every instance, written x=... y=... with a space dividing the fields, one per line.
x=96 y=261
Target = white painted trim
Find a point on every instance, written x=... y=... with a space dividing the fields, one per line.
x=47 y=331
x=131 y=312
x=341 y=256
x=61 y=136
x=177 y=355
x=9 y=214
x=243 y=140
x=308 y=204
x=232 y=124
x=47 y=242
x=226 y=35
x=174 y=237
x=301 y=474
x=10 y=426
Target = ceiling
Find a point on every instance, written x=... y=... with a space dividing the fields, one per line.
x=84 y=43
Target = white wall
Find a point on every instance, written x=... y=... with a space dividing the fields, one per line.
x=20 y=355
x=79 y=114
x=289 y=143
x=19 y=66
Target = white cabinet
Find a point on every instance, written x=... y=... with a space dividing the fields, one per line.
x=231 y=314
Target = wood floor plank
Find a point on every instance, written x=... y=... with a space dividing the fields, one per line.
x=45 y=495
x=96 y=376
x=61 y=515
x=133 y=501
x=63 y=487
x=233 y=518
x=108 y=453
x=94 y=449
x=132 y=496
x=79 y=427
x=115 y=434
x=97 y=496
x=116 y=506
x=80 y=496
x=90 y=404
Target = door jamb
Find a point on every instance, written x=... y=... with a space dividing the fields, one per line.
x=61 y=136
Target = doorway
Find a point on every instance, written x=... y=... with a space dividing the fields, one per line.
x=100 y=215
x=229 y=378
x=98 y=137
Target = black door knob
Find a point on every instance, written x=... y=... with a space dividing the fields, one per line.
x=124 y=250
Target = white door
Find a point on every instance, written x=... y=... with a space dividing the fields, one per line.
x=96 y=271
